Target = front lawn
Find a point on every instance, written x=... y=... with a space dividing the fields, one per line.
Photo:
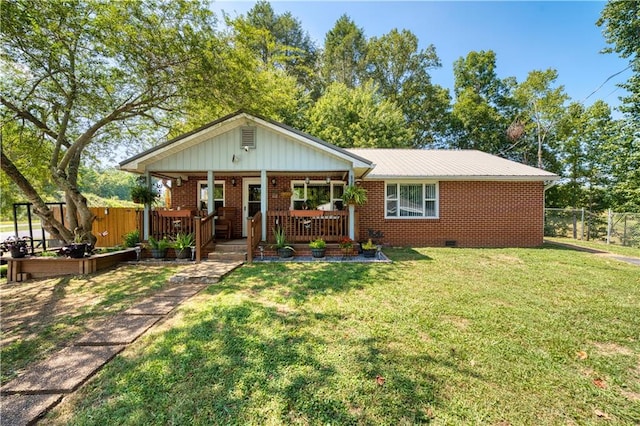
x=448 y=336
x=45 y=315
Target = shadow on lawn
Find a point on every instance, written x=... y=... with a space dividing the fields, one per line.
x=50 y=313
x=246 y=356
x=251 y=364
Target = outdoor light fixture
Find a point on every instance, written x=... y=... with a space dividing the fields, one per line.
x=233 y=181
x=106 y=211
x=306 y=180
x=234 y=159
x=273 y=182
x=328 y=179
x=179 y=181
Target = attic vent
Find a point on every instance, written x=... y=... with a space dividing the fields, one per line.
x=248 y=138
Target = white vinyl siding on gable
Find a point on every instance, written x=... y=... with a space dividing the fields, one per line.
x=411 y=200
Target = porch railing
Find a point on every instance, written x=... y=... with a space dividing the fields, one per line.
x=204 y=233
x=307 y=225
x=167 y=223
x=254 y=234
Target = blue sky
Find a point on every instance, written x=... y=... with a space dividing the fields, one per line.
x=525 y=35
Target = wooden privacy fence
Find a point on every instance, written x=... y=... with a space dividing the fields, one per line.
x=111 y=223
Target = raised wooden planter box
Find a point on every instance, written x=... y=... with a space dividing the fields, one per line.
x=45 y=267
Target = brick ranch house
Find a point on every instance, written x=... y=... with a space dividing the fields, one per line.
x=261 y=169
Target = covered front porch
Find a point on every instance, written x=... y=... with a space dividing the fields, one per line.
x=242 y=176
x=306 y=207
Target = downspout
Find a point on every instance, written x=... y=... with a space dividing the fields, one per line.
x=547 y=185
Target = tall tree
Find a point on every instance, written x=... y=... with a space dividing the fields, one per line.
x=621 y=164
x=621 y=22
x=541 y=107
x=358 y=118
x=279 y=41
x=483 y=109
x=345 y=48
x=82 y=72
x=582 y=134
x=400 y=70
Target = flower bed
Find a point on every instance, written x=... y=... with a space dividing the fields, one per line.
x=44 y=267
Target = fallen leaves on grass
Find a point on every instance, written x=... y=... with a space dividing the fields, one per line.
x=600 y=383
x=379 y=380
x=602 y=414
x=582 y=355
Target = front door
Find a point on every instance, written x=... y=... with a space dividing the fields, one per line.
x=251 y=200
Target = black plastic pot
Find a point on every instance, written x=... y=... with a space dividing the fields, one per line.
x=76 y=251
x=318 y=252
x=369 y=253
x=184 y=253
x=18 y=252
x=158 y=253
x=285 y=252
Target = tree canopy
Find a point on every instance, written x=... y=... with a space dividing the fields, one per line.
x=84 y=73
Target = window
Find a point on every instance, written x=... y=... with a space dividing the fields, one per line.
x=317 y=195
x=419 y=200
x=203 y=195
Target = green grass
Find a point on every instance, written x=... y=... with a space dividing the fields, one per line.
x=41 y=316
x=612 y=248
x=458 y=336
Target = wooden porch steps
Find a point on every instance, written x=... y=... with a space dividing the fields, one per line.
x=233 y=250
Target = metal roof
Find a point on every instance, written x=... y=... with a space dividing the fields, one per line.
x=447 y=165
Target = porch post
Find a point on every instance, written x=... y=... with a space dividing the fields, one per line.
x=264 y=199
x=211 y=181
x=210 y=186
x=147 y=211
x=352 y=210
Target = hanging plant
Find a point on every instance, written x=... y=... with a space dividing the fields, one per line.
x=143 y=195
x=354 y=195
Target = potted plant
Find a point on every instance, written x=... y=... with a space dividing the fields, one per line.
x=183 y=243
x=346 y=245
x=78 y=248
x=284 y=250
x=318 y=247
x=354 y=195
x=369 y=249
x=131 y=239
x=142 y=194
x=16 y=246
x=159 y=247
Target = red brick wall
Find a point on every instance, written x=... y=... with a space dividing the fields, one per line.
x=474 y=214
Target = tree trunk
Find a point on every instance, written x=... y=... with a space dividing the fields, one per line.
x=80 y=217
x=54 y=227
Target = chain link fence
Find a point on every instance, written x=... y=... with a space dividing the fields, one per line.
x=581 y=224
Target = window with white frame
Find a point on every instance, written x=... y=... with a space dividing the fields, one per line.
x=317 y=195
x=203 y=195
x=411 y=200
